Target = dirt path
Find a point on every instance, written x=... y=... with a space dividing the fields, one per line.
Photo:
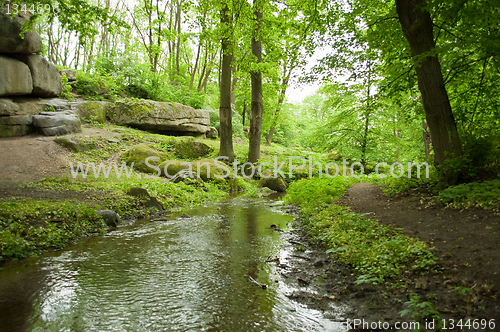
x=466 y=242
x=31 y=158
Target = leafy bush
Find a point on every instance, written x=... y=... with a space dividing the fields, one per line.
x=97 y=87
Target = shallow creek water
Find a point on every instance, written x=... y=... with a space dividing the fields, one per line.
x=169 y=274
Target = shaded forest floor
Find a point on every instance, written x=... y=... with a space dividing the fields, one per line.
x=466 y=280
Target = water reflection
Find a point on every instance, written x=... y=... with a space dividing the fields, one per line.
x=178 y=275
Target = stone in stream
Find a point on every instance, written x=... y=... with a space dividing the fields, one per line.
x=110 y=217
x=273 y=183
x=151 y=202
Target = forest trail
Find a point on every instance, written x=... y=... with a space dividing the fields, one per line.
x=466 y=242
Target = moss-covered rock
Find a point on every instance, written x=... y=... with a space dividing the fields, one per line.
x=273 y=183
x=91 y=111
x=206 y=169
x=191 y=149
x=72 y=144
x=138 y=155
x=160 y=117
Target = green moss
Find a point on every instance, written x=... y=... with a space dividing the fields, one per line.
x=138 y=155
x=92 y=111
x=190 y=149
x=207 y=170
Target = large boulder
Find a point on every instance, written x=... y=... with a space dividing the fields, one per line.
x=91 y=111
x=190 y=149
x=57 y=123
x=17 y=125
x=15 y=77
x=46 y=78
x=138 y=155
x=10 y=39
x=161 y=117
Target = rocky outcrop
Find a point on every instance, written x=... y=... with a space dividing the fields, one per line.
x=160 y=117
x=18 y=125
x=22 y=71
x=57 y=123
x=46 y=78
x=10 y=39
x=15 y=78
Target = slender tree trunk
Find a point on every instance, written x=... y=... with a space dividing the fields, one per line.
x=256 y=80
x=178 y=51
x=281 y=100
x=244 y=113
x=417 y=27
x=226 y=126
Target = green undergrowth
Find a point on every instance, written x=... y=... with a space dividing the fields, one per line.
x=475 y=194
x=484 y=194
x=170 y=195
x=376 y=252
x=29 y=226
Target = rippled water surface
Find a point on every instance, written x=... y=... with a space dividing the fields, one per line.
x=179 y=274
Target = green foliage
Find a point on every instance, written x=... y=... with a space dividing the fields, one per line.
x=30 y=225
x=373 y=250
x=480 y=194
x=66 y=90
x=420 y=310
x=97 y=87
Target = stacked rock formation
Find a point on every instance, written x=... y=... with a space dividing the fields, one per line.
x=23 y=72
x=25 y=77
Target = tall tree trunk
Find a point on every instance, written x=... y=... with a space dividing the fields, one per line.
x=417 y=26
x=256 y=80
x=226 y=126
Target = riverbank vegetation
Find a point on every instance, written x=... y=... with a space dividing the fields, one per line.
x=376 y=252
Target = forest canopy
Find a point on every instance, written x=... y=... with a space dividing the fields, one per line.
x=400 y=80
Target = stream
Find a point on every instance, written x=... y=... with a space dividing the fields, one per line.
x=165 y=274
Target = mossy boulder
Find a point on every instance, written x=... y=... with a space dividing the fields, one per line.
x=191 y=149
x=91 y=111
x=273 y=183
x=206 y=169
x=72 y=144
x=138 y=155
